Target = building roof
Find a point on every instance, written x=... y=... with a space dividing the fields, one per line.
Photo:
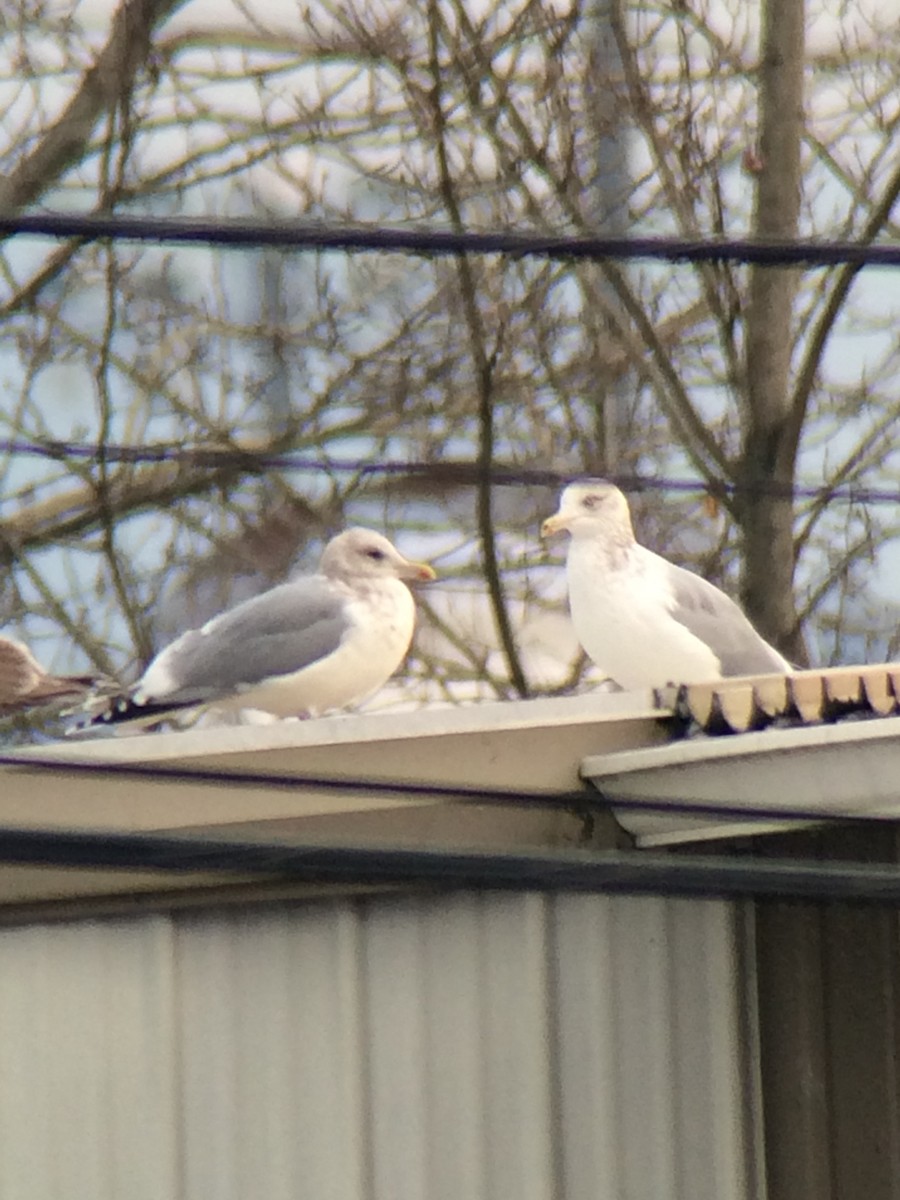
x=810 y=744
x=757 y=783
x=738 y=705
x=295 y=780
x=516 y=775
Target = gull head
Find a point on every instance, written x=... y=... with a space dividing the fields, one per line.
x=363 y=554
x=591 y=508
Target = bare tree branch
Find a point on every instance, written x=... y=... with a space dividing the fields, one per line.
x=484 y=369
x=840 y=289
x=100 y=91
x=412 y=112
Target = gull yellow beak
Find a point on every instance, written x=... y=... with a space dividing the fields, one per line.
x=554 y=524
x=422 y=572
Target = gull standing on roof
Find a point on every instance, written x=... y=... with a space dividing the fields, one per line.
x=643 y=620
x=321 y=642
x=25 y=684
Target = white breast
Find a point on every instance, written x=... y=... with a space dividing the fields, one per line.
x=621 y=613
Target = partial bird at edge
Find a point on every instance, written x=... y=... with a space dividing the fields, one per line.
x=24 y=683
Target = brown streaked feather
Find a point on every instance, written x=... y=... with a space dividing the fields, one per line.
x=24 y=683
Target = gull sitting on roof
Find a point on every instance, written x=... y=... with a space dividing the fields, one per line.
x=25 y=684
x=321 y=642
x=643 y=620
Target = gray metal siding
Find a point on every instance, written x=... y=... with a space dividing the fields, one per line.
x=88 y=1100
x=455 y=1047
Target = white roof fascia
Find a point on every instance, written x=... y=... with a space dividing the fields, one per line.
x=527 y=747
x=847 y=770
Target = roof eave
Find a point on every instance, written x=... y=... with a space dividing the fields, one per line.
x=849 y=770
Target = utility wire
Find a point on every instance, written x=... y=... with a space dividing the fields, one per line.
x=429 y=242
x=559 y=871
x=458 y=473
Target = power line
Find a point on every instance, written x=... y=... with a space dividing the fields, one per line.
x=452 y=473
x=558 y=871
x=248 y=233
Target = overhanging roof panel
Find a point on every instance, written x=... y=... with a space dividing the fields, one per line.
x=850 y=769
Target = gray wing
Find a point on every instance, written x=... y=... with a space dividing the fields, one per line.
x=277 y=633
x=715 y=619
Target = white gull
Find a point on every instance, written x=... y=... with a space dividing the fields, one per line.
x=320 y=642
x=643 y=620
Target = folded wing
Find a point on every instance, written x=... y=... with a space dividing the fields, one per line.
x=717 y=621
x=278 y=633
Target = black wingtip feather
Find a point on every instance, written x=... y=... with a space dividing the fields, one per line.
x=125 y=708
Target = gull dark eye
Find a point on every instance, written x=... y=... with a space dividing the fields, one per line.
x=590 y=501
x=377 y=555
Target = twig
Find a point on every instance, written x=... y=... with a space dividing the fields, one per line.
x=484 y=369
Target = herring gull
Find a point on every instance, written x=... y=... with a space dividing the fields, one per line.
x=317 y=643
x=25 y=684
x=643 y=620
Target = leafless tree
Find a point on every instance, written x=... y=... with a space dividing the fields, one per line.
x=748 y=380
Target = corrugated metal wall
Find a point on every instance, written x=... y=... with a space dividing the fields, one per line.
x=459 y=1047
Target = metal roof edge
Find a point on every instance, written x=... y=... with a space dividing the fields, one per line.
x=739 y=704
x=501 y=774
x=353 y=729
x=821 y=772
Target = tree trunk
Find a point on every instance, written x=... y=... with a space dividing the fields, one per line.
x=766 y=468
